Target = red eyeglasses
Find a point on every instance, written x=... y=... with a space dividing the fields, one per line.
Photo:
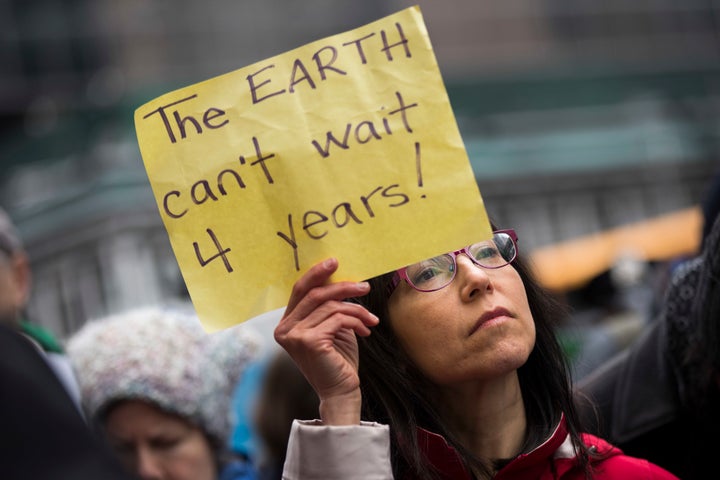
x=438 y=272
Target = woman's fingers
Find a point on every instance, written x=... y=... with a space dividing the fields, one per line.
x=312 y=297
x=310 y=317
x=326 y=352
x=316 y=334
x=319 y=329
x=316 y=276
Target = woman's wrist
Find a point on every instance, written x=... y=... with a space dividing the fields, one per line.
x=342 y=409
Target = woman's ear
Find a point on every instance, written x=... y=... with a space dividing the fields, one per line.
x=21 y=279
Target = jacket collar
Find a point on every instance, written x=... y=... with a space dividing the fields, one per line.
x=447 y=460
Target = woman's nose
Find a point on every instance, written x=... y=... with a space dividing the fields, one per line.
x=148 y=465
x=473 y=278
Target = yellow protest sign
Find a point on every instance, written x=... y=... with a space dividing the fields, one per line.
x=345 y=147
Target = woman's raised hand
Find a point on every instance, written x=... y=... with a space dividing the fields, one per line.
x=318 y=330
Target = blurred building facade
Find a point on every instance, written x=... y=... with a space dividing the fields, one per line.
x=578 y=116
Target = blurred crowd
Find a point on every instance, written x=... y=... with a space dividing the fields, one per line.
x=148 y=393
x=142 y=394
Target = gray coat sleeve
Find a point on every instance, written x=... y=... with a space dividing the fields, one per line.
x=321 y=452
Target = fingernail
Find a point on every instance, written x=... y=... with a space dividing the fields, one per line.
x=364 y=285
x=329 y=263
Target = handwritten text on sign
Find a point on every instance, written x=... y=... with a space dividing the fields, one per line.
x=345 y=147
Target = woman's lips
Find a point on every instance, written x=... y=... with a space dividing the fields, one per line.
x=490 y=315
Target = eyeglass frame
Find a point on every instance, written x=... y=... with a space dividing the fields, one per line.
x=401 y=273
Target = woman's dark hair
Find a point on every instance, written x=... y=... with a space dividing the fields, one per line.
x=396 y=393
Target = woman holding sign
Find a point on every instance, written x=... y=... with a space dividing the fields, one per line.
x=461 y=378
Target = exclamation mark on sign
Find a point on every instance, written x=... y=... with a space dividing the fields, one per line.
x=418 y=166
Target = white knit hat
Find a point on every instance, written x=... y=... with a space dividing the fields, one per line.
x=165 y=357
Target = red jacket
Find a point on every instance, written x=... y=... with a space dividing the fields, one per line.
x=362 y=452
x=553 y=460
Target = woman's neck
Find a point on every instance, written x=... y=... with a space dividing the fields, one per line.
x=488 y=418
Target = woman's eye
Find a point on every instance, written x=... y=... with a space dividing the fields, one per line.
x=486 y=252
x=165 y=443
x=425 y=275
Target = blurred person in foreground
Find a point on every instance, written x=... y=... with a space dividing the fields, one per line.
x=15 y=284
x=448 y=368
x=659 y=398
x=159 y=388
x=42 y=434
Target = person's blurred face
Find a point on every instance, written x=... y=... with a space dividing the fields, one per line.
x=476 y=329
x=14 y=284
x=157 y=445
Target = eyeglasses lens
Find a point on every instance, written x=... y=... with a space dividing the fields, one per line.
x=431 y=274
x=435 y=273
x=494 y=253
